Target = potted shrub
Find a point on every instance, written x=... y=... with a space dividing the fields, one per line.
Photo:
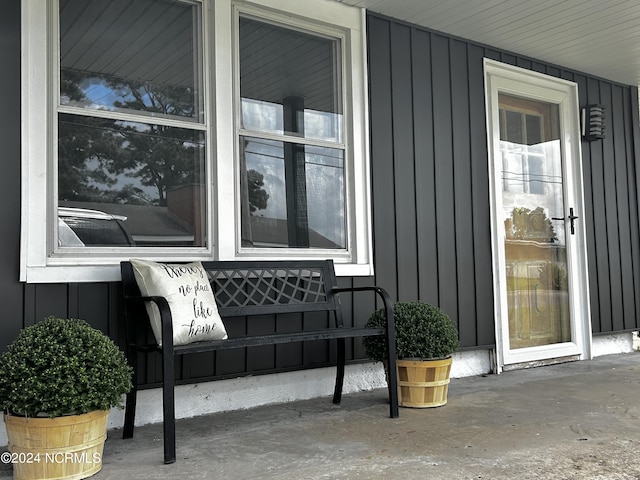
x=425 y=340
x=58 y=380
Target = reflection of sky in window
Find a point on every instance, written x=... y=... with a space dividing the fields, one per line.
x=98 y=95
x=266 y=157
x=261 y=116
x=324 y=183
x=101 y=95
x=325 y=192
x=127 y=177
x=324 y=166
x=323 y=125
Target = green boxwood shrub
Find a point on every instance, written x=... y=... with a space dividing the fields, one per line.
x=423 y=331
x=62 y=366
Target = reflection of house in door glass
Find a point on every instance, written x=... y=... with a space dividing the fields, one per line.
x=533 y=209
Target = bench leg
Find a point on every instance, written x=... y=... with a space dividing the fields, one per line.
x=392 y=381
x=168 y=408
x=130 y=413
x=130 y=402
x=337 y=392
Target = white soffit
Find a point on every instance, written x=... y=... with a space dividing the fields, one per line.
x=599 y=37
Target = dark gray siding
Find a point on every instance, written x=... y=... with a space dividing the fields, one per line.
x=11 y=291
x=431 y=189
x=430 y=201
x=430 y=175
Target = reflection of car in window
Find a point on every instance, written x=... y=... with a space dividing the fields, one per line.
x=79 y=227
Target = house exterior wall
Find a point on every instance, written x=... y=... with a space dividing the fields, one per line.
x=430 y=201
x=431 y=186
x=11 y=291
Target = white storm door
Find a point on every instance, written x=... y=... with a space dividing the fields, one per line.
x=538 y=235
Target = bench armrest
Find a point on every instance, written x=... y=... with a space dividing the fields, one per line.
x=165 y=316
x=388 y=307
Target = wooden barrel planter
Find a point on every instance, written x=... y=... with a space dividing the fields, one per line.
x=68 y=447
x=423 y=383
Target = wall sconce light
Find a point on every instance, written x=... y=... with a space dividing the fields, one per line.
x=593 y=122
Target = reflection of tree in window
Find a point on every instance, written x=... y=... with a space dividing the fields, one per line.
x=258 y=196
x=526 y=224
x=95 y=155
x=113 y=93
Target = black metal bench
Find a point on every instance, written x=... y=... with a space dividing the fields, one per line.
x=248 y=288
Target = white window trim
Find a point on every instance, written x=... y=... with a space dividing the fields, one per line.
x=37 y=265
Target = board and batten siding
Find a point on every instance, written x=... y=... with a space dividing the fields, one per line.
x=429 y=160
x=430 y=203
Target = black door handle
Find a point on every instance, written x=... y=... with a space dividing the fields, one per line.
x=572 y=218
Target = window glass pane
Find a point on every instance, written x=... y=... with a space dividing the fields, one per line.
x=514 y=131
x=292 y=195
x=290 y=81
x=149 y=180
x=139 y=56
x=534 y=129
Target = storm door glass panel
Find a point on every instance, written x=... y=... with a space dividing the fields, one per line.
x=533 y=212
x=131 y=134
x=291 y=152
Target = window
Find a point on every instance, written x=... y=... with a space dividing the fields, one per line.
x=131 y=125
x=292 y=187
x=192 y=129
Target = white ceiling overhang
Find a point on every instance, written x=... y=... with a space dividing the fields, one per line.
x=598 y=37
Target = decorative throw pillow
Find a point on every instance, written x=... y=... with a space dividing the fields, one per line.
x=186 y=287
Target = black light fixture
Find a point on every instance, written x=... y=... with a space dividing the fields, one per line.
x=593 y=122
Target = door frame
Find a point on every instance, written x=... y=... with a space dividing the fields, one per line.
x=500 y=77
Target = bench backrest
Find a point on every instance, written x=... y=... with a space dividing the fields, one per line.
x=269 y=287
x=243 y=288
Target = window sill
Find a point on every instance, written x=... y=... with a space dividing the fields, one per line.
x=111 y=273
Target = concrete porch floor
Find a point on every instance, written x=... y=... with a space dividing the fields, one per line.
x=576 y=420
